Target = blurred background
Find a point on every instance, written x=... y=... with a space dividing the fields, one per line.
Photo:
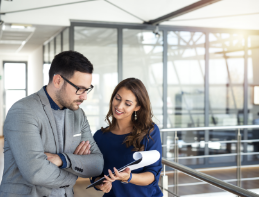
x=199 y=60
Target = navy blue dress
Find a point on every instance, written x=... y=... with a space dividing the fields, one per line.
x=116 y=154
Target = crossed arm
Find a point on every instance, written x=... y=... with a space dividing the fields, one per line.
x=82 y=149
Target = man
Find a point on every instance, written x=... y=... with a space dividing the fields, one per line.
x=48 y=142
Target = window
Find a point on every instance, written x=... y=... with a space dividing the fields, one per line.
x=15 y=83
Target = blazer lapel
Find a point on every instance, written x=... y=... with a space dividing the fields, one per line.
x=46 y=106
x=69 y=130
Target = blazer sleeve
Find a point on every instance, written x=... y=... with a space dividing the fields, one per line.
x=22 y=134
x=86 y=166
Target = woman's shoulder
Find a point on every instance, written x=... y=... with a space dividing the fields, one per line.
x=155 y=130
x=98 y=133
x=153 y=133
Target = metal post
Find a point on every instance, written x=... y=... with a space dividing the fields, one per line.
x=246 y=86
x=120 y=54
x=206 y=97
x=165 y=115
x=176 y=160
x=238 y=158
x=71 y=38
x=165 y=184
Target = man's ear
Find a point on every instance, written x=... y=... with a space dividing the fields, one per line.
x=57 y=81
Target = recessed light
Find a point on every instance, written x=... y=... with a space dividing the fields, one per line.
x=20 y=26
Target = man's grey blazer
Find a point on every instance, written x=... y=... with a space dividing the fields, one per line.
x=29 y=131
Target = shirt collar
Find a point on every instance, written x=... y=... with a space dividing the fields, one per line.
x=52 y=103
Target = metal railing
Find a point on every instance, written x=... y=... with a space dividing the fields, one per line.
x=216 y=182
x=209 y=179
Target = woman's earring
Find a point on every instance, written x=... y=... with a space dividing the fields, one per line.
x=136 y=115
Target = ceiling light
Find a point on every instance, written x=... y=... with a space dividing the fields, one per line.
x=17 y=26
x=20 y=26
x=156 y=32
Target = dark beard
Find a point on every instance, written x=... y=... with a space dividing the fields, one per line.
x=61 y=95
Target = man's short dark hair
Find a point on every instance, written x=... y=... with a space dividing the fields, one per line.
x=67 y=62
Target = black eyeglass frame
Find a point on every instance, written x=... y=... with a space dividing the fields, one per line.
x=87 y=90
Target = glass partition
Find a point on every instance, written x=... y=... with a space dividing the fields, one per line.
x=185 y=73
x=99 y=45
x=142 y=59
x=226 y=67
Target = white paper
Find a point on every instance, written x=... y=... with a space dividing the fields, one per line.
x=148 y=158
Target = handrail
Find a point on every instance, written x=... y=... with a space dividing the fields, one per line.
x=209 y=179
x=211 y=128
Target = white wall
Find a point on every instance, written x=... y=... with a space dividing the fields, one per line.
x=34 y=74
x=35 y=71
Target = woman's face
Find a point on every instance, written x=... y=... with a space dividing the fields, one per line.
x=124 y=104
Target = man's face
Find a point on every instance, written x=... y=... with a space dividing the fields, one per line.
x=67 y=96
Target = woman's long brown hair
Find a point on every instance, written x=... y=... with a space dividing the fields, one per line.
x=144 y=124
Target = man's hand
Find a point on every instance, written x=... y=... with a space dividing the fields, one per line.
x=54 y=158
x=83 y=148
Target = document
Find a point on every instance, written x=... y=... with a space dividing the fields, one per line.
x=142 y=158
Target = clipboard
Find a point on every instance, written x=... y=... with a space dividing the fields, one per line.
x=100 y=181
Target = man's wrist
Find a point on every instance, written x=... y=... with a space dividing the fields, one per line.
x=64 y=161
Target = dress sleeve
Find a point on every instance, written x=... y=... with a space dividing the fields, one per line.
x=154 y=143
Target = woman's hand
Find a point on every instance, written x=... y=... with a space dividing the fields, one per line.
x=122 y=176
x=106 y=186
x=54 y=158
x=83 y=148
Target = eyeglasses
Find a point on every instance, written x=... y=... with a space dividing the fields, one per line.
x=79 y=90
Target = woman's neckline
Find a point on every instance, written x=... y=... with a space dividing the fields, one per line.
x=120 y=134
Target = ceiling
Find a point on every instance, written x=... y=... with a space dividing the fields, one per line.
x=46 y=18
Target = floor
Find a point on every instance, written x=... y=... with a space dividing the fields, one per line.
x=223 y=174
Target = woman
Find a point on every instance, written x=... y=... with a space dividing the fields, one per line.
x=130 y=129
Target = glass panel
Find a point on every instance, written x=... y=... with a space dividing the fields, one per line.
x=99 y=45
x=142 y=59
x=253 y=146
x=46 y=53
x=186 y=79
x=12 y=96
x=185 y=101
x=191 y=144
x=58 y=44
x=226 y=79
x=51 y=50
x=253 y=79
x=46 y=68
x=15 y=75
x=66 y=39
